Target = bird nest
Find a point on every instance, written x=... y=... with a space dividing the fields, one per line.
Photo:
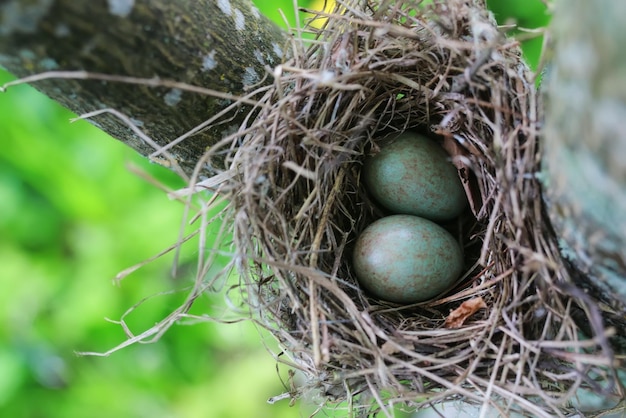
x=504 y=336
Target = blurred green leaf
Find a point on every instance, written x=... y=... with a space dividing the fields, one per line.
x=71 y=218
x=524 y=14
x=12 y=374
x=282 y=12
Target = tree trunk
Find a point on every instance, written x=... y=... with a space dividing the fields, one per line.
x=225 y=46
x=228 y=47
x=585 y=148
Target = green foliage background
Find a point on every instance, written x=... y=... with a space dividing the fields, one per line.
x=72 y=217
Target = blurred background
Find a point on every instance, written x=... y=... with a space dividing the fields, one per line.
x=73 y=214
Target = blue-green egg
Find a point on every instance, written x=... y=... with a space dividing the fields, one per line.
x=406 y=259
x=413 y=175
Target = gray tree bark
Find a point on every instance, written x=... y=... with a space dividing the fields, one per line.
x=227 y=46
x=223 y=46
x=585 y=148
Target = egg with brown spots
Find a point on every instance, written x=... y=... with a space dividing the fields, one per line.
x=413 y=175
x=406 y=259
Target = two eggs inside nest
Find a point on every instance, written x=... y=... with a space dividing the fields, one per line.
x=407 y=257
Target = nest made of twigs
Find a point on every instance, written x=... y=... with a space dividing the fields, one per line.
x=297 y=204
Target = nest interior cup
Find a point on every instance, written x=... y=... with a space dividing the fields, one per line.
x=298 y=203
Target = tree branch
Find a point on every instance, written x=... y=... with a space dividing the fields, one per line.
x=224 y=47
x=585 y=147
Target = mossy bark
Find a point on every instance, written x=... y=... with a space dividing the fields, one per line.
x=585 y=148
x=225 y=45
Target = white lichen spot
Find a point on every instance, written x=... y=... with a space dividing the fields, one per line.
x=255 y=12
x=230 y=130
x=61 y=30
x=240 y=20
x=224 y=6
x=326 y=76
x=250 y=77
x=277 y=50
x=27 y=55
x=121 y=8
x=22 y=17
x=173 y=97
x=259 y=56
x=208 y=61
x=49 y=64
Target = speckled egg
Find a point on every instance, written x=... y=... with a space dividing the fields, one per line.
x=406 y=259
x=413 y=175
